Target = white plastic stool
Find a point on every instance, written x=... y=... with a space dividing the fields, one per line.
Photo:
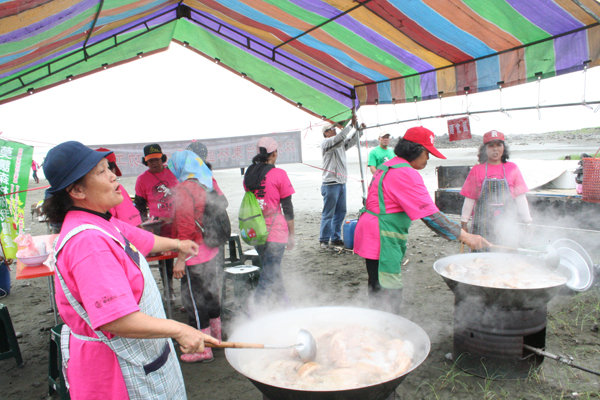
x=244 y=278
x=252 y=255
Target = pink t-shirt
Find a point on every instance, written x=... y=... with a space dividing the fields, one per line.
x=403 y=190
x=104 y=279
x=157 y=189
x=184 y=225
x=206 y=253
x=126 y=211
x=277 y=186
x=472 y=186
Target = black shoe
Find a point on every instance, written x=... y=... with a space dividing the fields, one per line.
x=338 y=242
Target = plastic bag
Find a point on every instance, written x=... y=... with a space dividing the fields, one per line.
x=30 y=249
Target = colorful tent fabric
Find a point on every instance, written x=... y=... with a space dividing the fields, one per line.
x=324 y=56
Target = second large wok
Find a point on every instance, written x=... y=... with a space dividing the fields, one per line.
x=284 y=327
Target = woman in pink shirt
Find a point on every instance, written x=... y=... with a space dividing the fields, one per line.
x=397 y=196
x=35 y=166
x=116 y=341
x=273 y=190
x=495 y=194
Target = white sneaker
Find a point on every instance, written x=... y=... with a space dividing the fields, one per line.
x=324 y=245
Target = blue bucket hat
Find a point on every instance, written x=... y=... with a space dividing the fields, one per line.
x=68 y=162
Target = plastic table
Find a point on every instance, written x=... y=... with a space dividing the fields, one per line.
x=43 y=270
x=47 y=270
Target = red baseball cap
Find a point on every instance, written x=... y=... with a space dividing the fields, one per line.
x=492 y=135
x=424 y=137
x=111 y=158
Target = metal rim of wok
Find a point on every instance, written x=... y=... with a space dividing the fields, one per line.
x=570 y=260
x=498 y=299
x=442 y=263
x=293 y=320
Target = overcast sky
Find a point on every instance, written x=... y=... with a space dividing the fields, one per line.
x=178 y=95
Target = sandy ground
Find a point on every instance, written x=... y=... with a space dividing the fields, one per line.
x=317 y=278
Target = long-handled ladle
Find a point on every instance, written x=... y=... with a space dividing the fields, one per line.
x=550 y=255
x=306 y=346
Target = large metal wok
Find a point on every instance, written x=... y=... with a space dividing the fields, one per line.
x=283 y=328
x=502 y=298
x=494 y=326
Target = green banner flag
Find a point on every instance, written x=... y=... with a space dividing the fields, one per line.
x=15 y=164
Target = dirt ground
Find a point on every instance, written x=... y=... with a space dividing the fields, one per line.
x=314 y=277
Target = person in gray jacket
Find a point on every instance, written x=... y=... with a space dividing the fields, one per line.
x=335 y=176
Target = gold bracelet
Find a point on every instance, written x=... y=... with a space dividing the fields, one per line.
x=178 y=243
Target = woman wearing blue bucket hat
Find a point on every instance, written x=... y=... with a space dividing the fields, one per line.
x=116 y=338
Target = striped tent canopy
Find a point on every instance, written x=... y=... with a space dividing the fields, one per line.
x=324 y=56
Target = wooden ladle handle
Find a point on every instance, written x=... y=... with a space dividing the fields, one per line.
x=235 y=345
x=517 y=250
x=495 y=246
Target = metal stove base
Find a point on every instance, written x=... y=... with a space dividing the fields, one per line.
x=488 y=341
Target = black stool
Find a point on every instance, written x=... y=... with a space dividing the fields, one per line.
x=9 y=347
x=56 y=380
x=236 y=255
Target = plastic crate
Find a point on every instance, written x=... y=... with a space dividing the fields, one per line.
x=591 y=180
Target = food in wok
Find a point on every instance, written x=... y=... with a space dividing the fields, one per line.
x=348 y=356
x=498 y=273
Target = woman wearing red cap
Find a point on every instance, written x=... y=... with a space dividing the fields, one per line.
x=396 y=197
x=125 y=211
x=495 y=193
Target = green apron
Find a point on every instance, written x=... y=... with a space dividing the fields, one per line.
x=393 y=233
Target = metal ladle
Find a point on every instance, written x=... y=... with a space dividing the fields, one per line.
x=550 y=255
x=306 y=346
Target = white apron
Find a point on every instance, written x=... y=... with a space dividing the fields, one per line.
x=150 y=366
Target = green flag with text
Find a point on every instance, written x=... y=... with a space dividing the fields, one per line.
x=15 y=164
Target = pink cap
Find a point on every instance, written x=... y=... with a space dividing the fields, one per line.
x=492 y=135
x=268 y=143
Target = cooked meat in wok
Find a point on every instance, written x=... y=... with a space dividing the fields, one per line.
x=348 y=357
x=498 y=273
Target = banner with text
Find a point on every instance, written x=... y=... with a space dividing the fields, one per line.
x=15 y=167
x=222 y=153
x=459 y=129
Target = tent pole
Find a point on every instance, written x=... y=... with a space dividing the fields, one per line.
x=362 y=172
